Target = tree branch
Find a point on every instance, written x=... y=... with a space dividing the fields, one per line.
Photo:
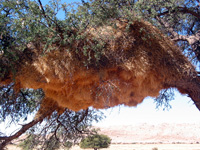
x=186 y=10
x=43 y=13
x=180 y=9
x=84 y=114
x=7 y=139
x=193 y=40
x=191 y=86
x=176 y=36
x=58 y=28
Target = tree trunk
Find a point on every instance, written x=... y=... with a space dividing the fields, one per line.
x=190 y=86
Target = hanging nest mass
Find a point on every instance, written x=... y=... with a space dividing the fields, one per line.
x=113 y=64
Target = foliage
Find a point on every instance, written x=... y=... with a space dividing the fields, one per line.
x=52 y=144
x=164 y=98
x=34 y=142
x=31 y=142
x=18 y=106
x=172 y=17
x=28 y=143
x=26 y=21
x=67 y=145
x=95 y=141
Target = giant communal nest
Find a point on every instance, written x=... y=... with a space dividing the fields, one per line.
x=135 y=61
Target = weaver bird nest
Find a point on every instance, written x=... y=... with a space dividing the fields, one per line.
x=136 y=61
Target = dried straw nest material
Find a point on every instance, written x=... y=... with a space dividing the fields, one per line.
x=137 y=61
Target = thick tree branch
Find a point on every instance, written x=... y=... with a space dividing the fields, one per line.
x=176 y=36
x=7 y=139
x=180 y=9
x=186 y=10
x=193 y=40
x=190 y=86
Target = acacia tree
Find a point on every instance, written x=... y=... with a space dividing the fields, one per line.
x=25 y=21
x=95 y=141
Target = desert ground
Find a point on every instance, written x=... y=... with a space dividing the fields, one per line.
x=138 y=147
x=165 y=133
x=150 y=147
x=149 y=137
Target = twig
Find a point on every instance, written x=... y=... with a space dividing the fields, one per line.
x=58 y=28
x=43 y=12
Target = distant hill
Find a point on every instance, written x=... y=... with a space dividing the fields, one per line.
x=160 y=133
